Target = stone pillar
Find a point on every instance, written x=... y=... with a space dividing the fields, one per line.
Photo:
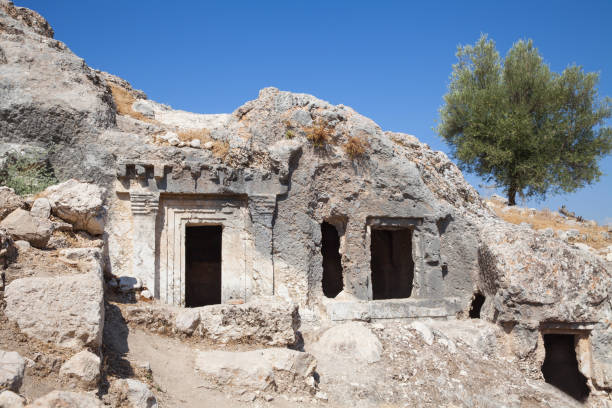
x=144 y=212
x=261 y=208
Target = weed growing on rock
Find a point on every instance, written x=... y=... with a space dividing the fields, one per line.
x=355 y=147
x=321 y=134
x=220 y=149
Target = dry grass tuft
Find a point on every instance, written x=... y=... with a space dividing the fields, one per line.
x=220 y=149
x=589 y=234
x=355 y=147
x=320 y=134
x=123 y=102
x=203 y=135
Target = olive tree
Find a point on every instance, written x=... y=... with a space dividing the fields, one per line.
x=531 y=130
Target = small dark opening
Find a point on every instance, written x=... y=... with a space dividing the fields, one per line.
x=332 y=260
x=477 y=303
x=203 y=266
x=560 y=366
x=391 y=263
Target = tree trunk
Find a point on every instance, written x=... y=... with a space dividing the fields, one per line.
x=512 y=195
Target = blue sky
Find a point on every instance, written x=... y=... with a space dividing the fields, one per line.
x=389 y=60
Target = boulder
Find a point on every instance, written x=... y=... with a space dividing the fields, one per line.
x=81 y=204
x=86 y=259
x=531 y=281
x=22 y=225
x=145 y=107
x=12 y=368
x=273 y=369
x=352 y=340
x=532 y=277
x=136 y=393
x=187 y=320
x=9 y=202
x=8 y=399
x=65 y=310
x=270 y=322
x=67 y=399
x=83 y=369
x=41 y=208
x=22 y=245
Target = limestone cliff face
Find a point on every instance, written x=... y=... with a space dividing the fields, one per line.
x=51 y=100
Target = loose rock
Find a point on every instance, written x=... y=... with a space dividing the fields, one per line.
x=81 y=204
x=351 y=340
x=67 y=399
x=22 y=225
x=41 y=208
x=12 y=368
x=258 y=370
x=8 y=399
x=9 y=202
x=137 y=393
x=65 y=310
x=83 y=368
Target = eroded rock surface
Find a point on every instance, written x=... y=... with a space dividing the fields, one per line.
x=136 y=393
x=8 y=399
x=12 y=368
x=351 y=340
x=81 y=204
x=265 y=322
x=22 y=225
x=65 y=310
x=9 y=202
x=67 y=399
x=83 y=369
x=259 y=370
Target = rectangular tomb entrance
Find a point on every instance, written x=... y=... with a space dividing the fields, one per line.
x=560 y=367
x=391 y=263
x=203 y=265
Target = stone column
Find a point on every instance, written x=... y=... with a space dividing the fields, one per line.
x=144 y=212
x=261 y=208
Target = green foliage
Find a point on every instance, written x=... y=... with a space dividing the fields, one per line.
x=289 y=134
x=27 y=173
x=531 y=130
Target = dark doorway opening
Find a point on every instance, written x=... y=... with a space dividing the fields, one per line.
x=332 y=260
x=560 y=366
x=203 y=266
x=477 y=303
x=391 y=263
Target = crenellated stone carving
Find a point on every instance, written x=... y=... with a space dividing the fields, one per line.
x=201 y=194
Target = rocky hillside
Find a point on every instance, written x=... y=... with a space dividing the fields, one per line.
x=77 y=330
